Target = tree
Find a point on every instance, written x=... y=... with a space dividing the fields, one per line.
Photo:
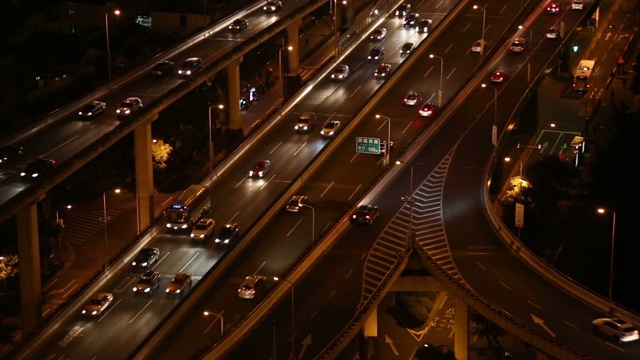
x=161 y=152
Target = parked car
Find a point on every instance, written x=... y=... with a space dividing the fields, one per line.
x=180 y=284
x=92 y=109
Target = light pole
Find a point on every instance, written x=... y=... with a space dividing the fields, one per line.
x=613 y=238
x=508 y=159
x=220 y=107
x=293 y=323
x=60 y=225
x=441 y=73
x=105 y=219
x=207 y=313
x=530 y=34
x=289 y=48
x=484 y=18
x=387 y=149
x=313 y=221
x=106 y=24
x=494 y=129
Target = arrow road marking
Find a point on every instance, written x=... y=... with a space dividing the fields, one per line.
x=540 y=322
x=388 y=340
x=306 y=342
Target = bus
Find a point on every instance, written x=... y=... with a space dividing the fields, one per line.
x=189 y=208
x=583 y=76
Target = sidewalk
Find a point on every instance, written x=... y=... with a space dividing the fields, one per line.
x=83 y=240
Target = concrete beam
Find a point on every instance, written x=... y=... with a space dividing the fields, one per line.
x=144 y=175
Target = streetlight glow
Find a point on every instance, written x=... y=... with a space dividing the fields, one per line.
x=388 y=146
x=613 y=238
x=105 y=219
x=441 y=74
x=484 y=18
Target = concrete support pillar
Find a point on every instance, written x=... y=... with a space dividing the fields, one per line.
x=461 y=331
x=292 y=65
x=144 y=175
x=233 y=92
x=29 y=255
x=371 y=325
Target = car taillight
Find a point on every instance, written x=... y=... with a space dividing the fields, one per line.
x=368 y=217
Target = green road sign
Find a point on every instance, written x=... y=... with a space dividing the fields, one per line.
x=367 y=145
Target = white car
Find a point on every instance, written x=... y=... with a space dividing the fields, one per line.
x=330 y=128
x=340 y=72
x=553 y=33
x=412 y=98
x=203 y=229
x=617 y=329
x=518 y=46
x=378 y=34
x=128 y=107
x=577 y=4
x=249 y=286
x=477 y=46
x=97 y=304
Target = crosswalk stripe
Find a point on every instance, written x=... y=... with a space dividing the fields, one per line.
x=80 y=226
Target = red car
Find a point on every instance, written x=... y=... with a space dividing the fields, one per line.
x=427 y=109
x=553 y=8
x=498 y=76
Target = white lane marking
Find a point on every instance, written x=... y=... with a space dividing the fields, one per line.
x=428 y=71
x=383 y=124
x=70 y=291
x=170 y=199
x=354 y=192
x=571 y=325
x=140 y=312
x=451 y=73
x=327 y=189
x=164 y=257
x=260 y=267
x=265 y=184
x=353 y=93
x=449 y=47
x=189 y=262
x=122 y=285
x=505 y=285
x=58 y=291
x=314 y=314
x=349 y=274
x=332 y=293
x=407 y=127
x=238 y=184
x=109 y=310
x=354 y=157
x=534 y=304
x=234 y=216
x=466 y=27
x=482 y=267
x=274 y=149
x=61 y=145
x=300 y=148
x=294 y=227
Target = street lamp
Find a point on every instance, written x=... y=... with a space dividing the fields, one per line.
x=106 y=24
x=220 y=107
x=613 y=238
x=60 y=225
x=105 y=219
x=293 y=323
x=484 y=18
x=494 y=129
x=441 y=73
x=207 y=313
x=313 y=221
x=530 y=34
x=289 y=48
x=508 y=159
x=387 y=149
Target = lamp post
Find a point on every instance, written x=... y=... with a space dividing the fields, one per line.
x=388 y=146
x=313 y=221
x=106 y=24
x=484 y=18
x=105 y=219
x=293 y=323
x=494 y=129
x=613 y=238
x=508 y=159
x=220 y=107
x=60 y=224
x=289 y=48
x=530 y=34
x=207 y=313
x=441 y=74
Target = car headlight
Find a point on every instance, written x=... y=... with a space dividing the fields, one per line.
x=331 y=133
x=169 y=225
x=118 y=111
x=135 y=288
x=184 y=226
x=34 y=175
x=193 y=235
x=178 y=291
x=147 y=289
x=133 y=263
x=167 y=291
x=251 y=173
x=89 y=113
x=84 y=311
x=23 y=174
x=226 y=241
x=296 y=127
x=201 y=236
x=145 y=264
x=306 y=127
x=188 y=72
x=127 y=111
x=217 y=240
x=260 y=173
x=95 y=312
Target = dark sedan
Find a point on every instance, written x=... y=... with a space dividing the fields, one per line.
x=365 y=214
x=146 y=258
x=37 y=167
x=163 y=68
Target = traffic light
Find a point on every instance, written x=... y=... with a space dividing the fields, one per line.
x=575 y=47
